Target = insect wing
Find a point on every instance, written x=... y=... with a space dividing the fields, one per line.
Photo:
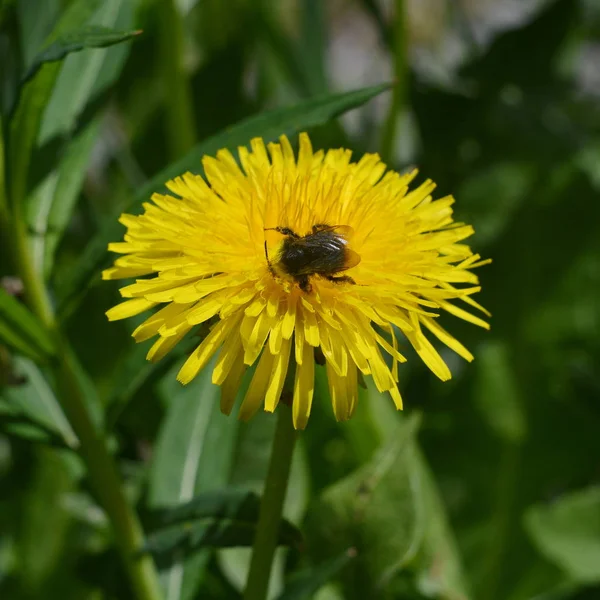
x=351 y=259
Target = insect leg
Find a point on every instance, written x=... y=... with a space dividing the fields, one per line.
x=284 y=231
x=269 y=260
x=304 y=283
x=340 y=279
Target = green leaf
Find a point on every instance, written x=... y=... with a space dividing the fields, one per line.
x=26 y=120
x=358 y=511
x=306 y=583
x=20 y=329
x=312 y=45
x=224 y=518
x=70 y=180
x=269 y=125
x=35 y=399
x=84 y=76
x=69 y=131
x=193 y=455
x=227 y=503
x=87 y=37
x=437 y=567
x=567 y=532
x=497 y=392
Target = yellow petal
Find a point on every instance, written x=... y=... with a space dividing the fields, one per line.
x=129 y=308
x=304 y=386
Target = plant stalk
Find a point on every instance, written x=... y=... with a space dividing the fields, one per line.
x=271 y=507
x=179 y=104
x=101 y=468
x=399 y=91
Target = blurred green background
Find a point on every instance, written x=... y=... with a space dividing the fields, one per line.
x=487 y=487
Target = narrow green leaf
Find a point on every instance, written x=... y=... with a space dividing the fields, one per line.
x=312 y=44
x=84 y=76
x=223 y=518
x=270 y=125
x=193 y=455
x=64 y=196
x=35 y=399
x=87 y=37
x=21 y=329
x=305 y=584
x=567 y=532
x=17 y=424
x=25 y=122
x=68 y=130
x=10 y=60
x=227 y=503
x=171 y=545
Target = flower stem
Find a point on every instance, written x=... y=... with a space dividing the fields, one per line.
x=101 y=468
x=271 y=507
x=399 y=31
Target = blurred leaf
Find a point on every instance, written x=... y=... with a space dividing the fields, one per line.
x=50 y=206
x=16 y=424
x=26 y=120
x=193 y=455
x=497 y=393
x=227 y=503
x=438 y=564
x=21 y=329
x=35 y=399
x=36 y=20
x=567 y=532
x=70 y=179
x=358 y=511
x=304 y=584
x=89 y=37
x=85 y=75
x=439 y=569
x=223 y=518
x=42 y=539
x=312 y=47
x=9 y=59
x=490 y=197
x=269 y=125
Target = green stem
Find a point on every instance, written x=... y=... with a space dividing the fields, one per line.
x=178 y=103
x=271 y=507
x=106 y=481
x=400 y=85
x=4 y=211
x=101 y=467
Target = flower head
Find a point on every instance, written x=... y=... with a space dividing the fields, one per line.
x=292 y=259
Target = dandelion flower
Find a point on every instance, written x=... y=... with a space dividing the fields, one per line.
x=292 y=260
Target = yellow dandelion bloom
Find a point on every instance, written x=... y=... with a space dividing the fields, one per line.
x=296 y=259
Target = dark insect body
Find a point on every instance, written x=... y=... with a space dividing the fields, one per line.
x=323 y=252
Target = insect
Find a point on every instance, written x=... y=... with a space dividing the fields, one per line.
x=323 y=252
